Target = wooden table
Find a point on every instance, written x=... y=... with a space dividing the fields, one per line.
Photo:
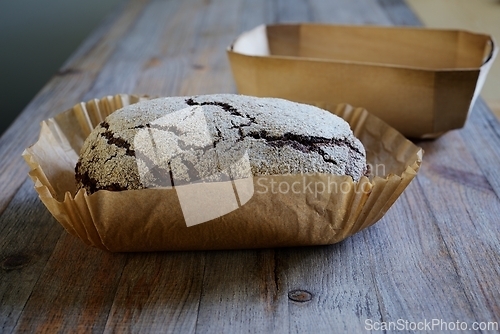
x=435 y=255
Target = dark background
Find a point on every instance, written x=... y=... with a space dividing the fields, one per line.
x=36 y=37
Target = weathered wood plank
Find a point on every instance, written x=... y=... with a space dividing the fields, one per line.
x=75 y=291
x=412 y=266
x=63 y=91
x=331 y=289
x=243 y=292
x=347 y=12
x=28 y=235
x=291 y=11
x=467 y=213
x=481 y=136
x=399 y=13
x=458 y=197
x=213 y=35
x=158 y=293
x=467 y=210
x=255 y=12
x=133 y=51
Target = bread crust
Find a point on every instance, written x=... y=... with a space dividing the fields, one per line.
x=178 y=140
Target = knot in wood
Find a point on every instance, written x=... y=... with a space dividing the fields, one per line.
x=300 y=296
x=15 y=261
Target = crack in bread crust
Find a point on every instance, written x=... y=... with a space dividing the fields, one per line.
x=117 y=141
x=305 y=144
x=225 y=106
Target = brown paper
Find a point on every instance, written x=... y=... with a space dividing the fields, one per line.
x=423 y=82
x=152 y=219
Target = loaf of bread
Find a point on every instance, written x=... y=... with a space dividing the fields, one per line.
x=178 y=140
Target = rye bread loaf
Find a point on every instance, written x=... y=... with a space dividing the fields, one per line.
x=178 y=140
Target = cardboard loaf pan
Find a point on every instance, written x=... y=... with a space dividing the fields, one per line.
x=423 y=82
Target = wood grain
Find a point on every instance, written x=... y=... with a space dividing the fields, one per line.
x=243 y=291
x=28 y=235
x=76 y=296
x=435 y=254
x=158 y=292
x=399 y=13
x=412 y=256
x=481 y=135
x=469 y=195
x=343 y=12
x=340 y=299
